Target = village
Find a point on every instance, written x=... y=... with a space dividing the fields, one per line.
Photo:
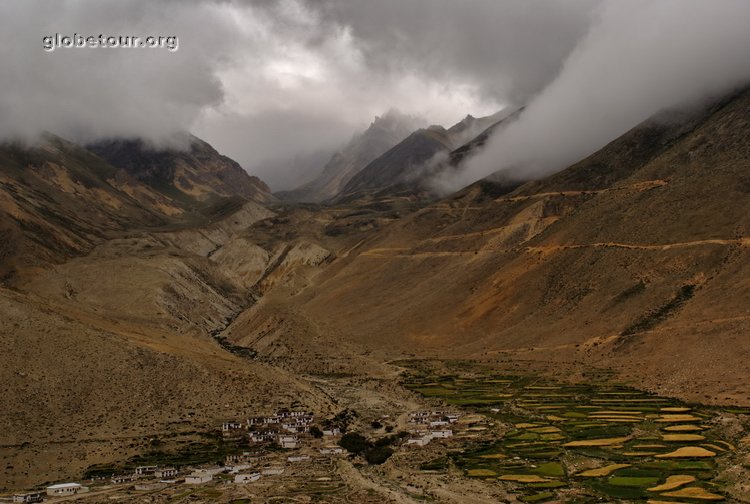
x=287 y=440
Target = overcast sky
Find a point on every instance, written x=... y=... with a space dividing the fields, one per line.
x=266 y=80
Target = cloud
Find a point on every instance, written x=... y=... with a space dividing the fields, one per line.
x=264 y=80
x=638 y=57
x=95 y=92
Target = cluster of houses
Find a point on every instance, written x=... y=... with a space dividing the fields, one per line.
x=429 y=425
x=163 y=474
x=283 y=428
x=58 y=490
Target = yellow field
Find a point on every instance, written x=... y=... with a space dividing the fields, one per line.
x=481 y=472
x=675 y=409
x=523 y=478
x=650 y=501
x=694 y=493
x=688 y=452
x=677 y=418
x=546 y=430
x=713 y=447
x=683 y=437
x=597 y=442
x=603 y=471
x=616 y=412
x=683 y=428
x=619 y=419
x=673 y=482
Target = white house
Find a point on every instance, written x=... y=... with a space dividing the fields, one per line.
x=123 y=478
x=288 y=442
x=28 y=497
x=296 y=427
x=419 y=416
x=236 y=468
x=298 y=458
x=438 y=423
x=272 y=471
x=243 y=458
x=150 y=486
x=263 y=436
x=63 y=489
x=246 y=478
x=420 y=440
x=144 y=470
x=165 y=473
x=442 y=433
x=332 y=451
x=209 y=470
x=198 y=478
x=332 y=432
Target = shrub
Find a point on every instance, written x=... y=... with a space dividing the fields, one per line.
x=378 y=455
x=354 y=442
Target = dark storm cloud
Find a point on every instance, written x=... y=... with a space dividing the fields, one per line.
x=638 y=58
x=91 y=92
x=266 y=81
x=510 y=48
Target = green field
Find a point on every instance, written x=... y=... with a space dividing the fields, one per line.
x=559 y=426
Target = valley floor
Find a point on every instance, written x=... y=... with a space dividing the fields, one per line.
x=514 y=439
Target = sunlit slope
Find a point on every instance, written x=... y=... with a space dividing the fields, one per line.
x=652 y=255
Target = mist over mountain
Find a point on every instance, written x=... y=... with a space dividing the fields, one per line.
x=382 y=134
x=613 y=81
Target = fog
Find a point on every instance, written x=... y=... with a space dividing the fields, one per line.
x=639 y=57
x=268 y=81
x=274 y=83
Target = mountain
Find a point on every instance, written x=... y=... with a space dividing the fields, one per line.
x=381 y=135
x=476 y=143
x=198 y=173
x=58 y=199
x=402 y=163
x=408 y=167
x=634 y=259
x=115 y=286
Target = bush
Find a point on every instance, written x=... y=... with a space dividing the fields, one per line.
x=378 y=455
x=354 y=442
x=386 y=441
x=316 y=432
x=376 y=425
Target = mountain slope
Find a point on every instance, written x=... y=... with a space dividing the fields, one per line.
x=402 y=163
x=381 y=135
x=640 y=265
x=57 y=200
x=198 y=173
x=409 y=167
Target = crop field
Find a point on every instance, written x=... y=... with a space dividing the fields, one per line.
x=586 y=442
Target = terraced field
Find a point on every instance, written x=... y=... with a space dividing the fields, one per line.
x=584 y=442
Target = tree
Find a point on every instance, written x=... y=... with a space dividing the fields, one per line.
x=354 y=442
x=316 y=432
x=378 y=455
